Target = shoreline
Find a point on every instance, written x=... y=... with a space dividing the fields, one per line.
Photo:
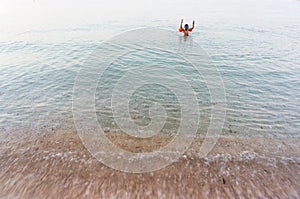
x=57 y=165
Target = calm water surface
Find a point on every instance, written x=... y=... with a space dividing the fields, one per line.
x=255 y=46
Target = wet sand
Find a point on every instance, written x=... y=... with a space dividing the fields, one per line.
x=57 y=165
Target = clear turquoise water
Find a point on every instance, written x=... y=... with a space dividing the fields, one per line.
x=255 y=46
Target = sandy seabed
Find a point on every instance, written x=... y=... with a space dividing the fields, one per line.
x=57 y=165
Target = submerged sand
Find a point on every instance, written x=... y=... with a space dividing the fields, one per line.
x=57 y=165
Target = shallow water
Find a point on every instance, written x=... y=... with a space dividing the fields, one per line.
x=255 y=46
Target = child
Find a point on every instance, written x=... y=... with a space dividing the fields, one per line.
x=186 y=28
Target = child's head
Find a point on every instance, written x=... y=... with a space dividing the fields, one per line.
x=186 y=27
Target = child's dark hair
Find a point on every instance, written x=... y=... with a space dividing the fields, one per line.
x=186 y=27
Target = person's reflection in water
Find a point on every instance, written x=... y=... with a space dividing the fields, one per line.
x=185 y=42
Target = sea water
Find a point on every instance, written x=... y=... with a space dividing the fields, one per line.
x=253 y=44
